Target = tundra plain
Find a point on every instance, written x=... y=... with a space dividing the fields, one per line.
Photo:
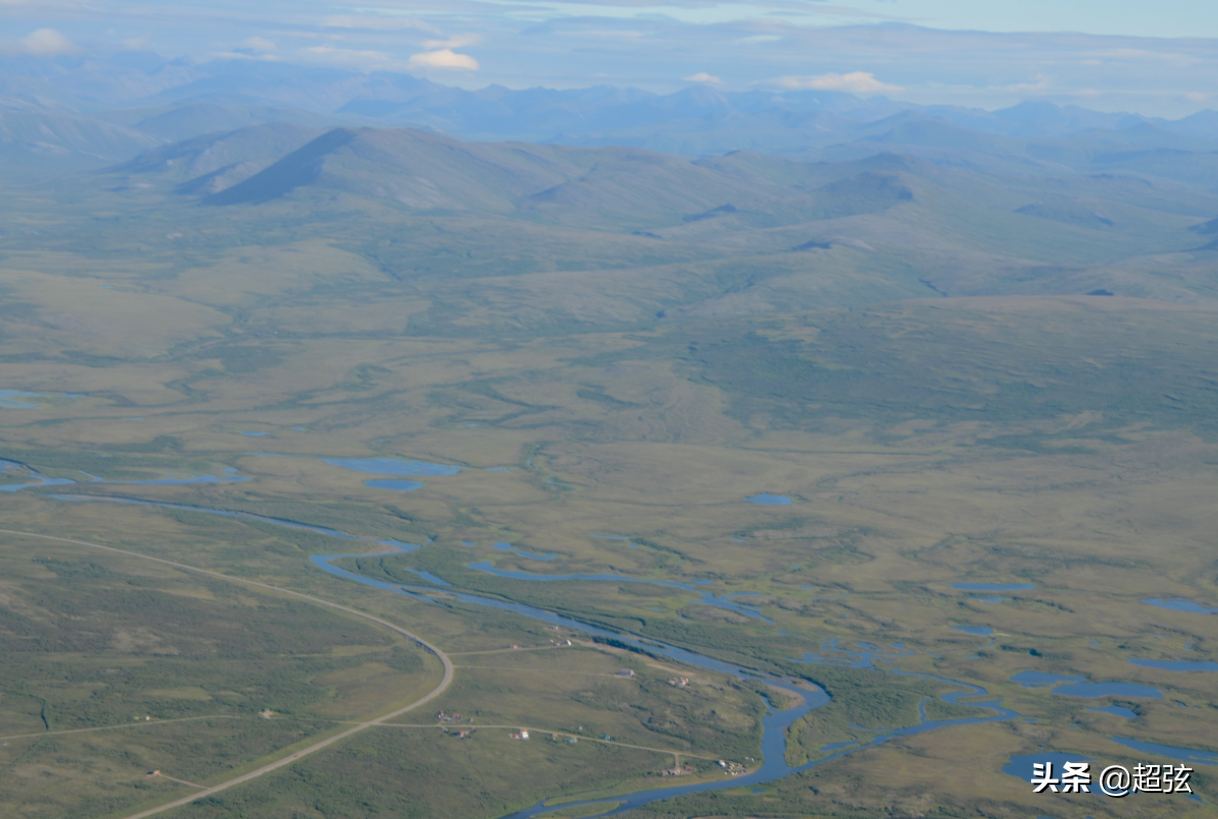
x=954 y=376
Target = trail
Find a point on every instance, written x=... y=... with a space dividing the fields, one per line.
x=124 y=725
x=539 y=731
x=317 y=746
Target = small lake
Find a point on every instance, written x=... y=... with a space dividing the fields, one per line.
x=1037 y=679
x=392 y=466
x=1177 y=665
x=504 y=546
x=980 y=631
x=990 y=600
x=11 y=399
x=1178 y=604
x=770 y=500
x=832 y=653
x=1117 y=711
x=1020 y=766
x=396 y=484
x=992 y=586
x=618 y=537
x=1093 y=691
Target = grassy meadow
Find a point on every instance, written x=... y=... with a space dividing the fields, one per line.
x=593 y=381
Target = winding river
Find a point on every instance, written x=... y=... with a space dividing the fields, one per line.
x=774 y=723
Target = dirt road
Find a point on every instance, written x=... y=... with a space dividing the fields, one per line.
x=317 y=746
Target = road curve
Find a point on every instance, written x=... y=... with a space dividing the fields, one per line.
x=287 y=760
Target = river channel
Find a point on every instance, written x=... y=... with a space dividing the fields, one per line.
x=774 y=723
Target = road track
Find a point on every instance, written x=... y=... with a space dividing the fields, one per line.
x=315 y=747
x=469 y=726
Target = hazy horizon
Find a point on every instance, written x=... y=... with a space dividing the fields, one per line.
x=1102 y=57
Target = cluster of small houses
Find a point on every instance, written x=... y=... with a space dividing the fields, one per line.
x=729 y=769
x=559 y=643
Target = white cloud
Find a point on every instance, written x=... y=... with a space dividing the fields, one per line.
x=454 y=42
x=244 y=55
x=47 y=42
x=258 y=44
x=375 y=22
x=702 y=76
x=445 y=58
x=856 y=82
x=351 y=57
x=1041 y=85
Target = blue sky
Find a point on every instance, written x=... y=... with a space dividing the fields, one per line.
x=1155 y=58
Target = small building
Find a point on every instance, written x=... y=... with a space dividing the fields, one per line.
x=625 y=672
x=521 y=735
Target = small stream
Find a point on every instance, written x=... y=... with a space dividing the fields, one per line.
x=774 y=723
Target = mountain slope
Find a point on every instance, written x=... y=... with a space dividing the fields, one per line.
x=40 y=140
x=214 y=162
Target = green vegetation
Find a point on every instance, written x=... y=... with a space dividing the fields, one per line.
x=604 y=349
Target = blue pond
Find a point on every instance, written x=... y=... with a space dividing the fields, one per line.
x=618 y=537
x=989 y=599
x=392 y=466
x=396 y=484
x=770 y=500
x=504 y=546
x=1032 y=679
x=981 y=631
x=1020 y=767
x=1178 y=665
x=11 y=399
x=255 y=434
x=1116 y=711
x=1171 y=752
x=833 y=654
x=992 y=586
x=1093 y=691
x=1178 y=604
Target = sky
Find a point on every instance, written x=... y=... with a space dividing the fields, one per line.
x=1152 y=58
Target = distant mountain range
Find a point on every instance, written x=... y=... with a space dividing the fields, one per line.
x=740 y=232
x=69 y=114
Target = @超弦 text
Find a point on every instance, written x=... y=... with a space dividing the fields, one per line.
x=1113 y=780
